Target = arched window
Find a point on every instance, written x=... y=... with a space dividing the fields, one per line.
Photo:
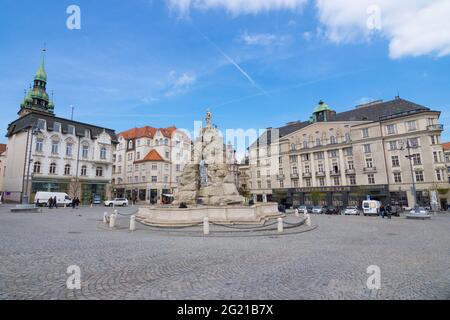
x=37 y=167
x=85 y=152
x=67 y=170
x=84 y=171
x=103 y=153
x=53 y=168
x=99 y=172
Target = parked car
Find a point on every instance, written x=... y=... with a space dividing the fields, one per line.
x=303 y=209
x=420 y=210
x=352 y=210
x=318 y=210
x=332 y=210
x=395 y=211
x=116 y=202
x=310 y=209
x=62 y=198
x=371 y=207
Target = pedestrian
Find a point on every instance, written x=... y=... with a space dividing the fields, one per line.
x=389 y=211
x=50 y=203
x=55 y=202
x=382 y=211
x=74 y=203
x=77 y=202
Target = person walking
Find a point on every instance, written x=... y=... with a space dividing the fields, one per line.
x=50 y=203
x=389 y=211
x=55 y=202
x=382 y=211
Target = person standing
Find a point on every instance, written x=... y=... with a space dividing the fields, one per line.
x=382 y=211
x=55 y=202
x=50 y=203
x=389 y=211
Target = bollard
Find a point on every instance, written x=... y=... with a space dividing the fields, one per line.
x=206 y=226
x=297 y=213
x=132 y=223
x=105 y=217
x=308 y=220
x=92 y=205
x=280 y=225
x=112 y=221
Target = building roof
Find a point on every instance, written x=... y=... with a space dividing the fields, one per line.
x=2 y=148
x=30 y=120
x=152 y=156
x=146 y=132
x=446 y=146
x=370 y=112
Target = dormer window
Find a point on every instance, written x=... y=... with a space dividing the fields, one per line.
x=87 y=134
x=130 y=144
x=57 y=127
x=71 y=130
x=41 y=124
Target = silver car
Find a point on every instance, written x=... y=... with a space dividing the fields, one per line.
x=318 y=210
x=352 y=211
x=422 y=211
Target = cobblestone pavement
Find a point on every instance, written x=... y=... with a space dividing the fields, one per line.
x=329 y=262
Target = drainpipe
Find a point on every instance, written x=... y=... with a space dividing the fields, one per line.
x=385 y=164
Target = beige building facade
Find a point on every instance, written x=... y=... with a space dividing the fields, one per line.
x=339 y=159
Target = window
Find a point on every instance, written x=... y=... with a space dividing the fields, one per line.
x=259 y=185
x=103 y=153
x=167 y=155
x=319 y=155
x=348 y=138
x=348 y=151
x=411 y=125
x=87 y=133
x=39 y=145
x=166 y=179
x=413 y=142
x=305 y=157
x=119 y=158
x=268 y=173
x=69 y=149
x=56 y=127
x=365 y=133
x=41 y=124
x=433 y=140
x=322 y=182
x=393 y=145
x=178 y=168
x=84 y=171
x=52 y=168
x=280 y=171
x=136 y=168
x=395 y=161
x=333 y=140
x=67 y=170
x=351 y=165
x=99 y=172
x=154 y=166
x=333 y=154
x=369 y=163
x=419 y=176
x=130 y=156
x=85 y=152
x=308 y=182
x=367 y=148
x=337 y=181
x=143 y=179
x=55 y=146
x=258 y=174
x=397 y=177
x=294 y=169
x=307 y=168
x=318 y=142
x=293 y=159
x=269 y=184
x=391 y=129
x=37 y=168
x=305 y=144
x=352 y=180
x=417 y=161
x=281 y=184
x=280 y=160
x=371 y=178
x=130 y=144
x=439 y=175
x=71 y=130
x=320 y=167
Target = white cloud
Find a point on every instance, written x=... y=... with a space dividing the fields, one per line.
x=179 y=83
x=263 y=39
x=235 y=7
x=413 y=27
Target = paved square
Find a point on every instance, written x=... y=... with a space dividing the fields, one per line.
x=327 y=263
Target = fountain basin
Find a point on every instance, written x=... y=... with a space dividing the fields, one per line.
x=257 y=214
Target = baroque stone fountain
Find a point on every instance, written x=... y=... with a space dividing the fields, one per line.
x=208 y=189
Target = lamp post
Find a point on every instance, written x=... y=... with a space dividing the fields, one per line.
x=34 y=132
x=407 y=145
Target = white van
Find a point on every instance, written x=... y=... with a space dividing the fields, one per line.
x=371 y=207
x=61 y=198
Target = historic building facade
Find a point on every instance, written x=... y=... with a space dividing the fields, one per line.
x=2 y=165
x=47 y=153
x=148 y=163
x=378 y=149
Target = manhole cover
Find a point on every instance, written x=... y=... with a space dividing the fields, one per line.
x=391 y=234
x=74 y=232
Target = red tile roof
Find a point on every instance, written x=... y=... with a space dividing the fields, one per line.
x=446 y=146
x=148 y=132
x=2 y=148
x=152 y=156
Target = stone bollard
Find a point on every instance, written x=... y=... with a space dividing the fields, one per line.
x=280 y=225
x=205 y=226
x=112 y=221
x=308 y=220
x=92 y=205
x=133 y=223
x=297 y=213
x=105 y=217
x=116 y=212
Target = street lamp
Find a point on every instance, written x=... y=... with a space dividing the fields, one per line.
x=35 y=131
x=405 y=144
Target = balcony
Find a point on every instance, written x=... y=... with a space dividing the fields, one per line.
x=436 y=127
x=350 y=171
x=280 y=177
x=320 y=174
x=370 y=170
x=307 y=175
x=295 y=176
x=335 y=173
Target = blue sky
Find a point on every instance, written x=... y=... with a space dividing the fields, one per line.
x=254 y=64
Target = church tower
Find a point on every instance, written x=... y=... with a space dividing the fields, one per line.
x=36 y=98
